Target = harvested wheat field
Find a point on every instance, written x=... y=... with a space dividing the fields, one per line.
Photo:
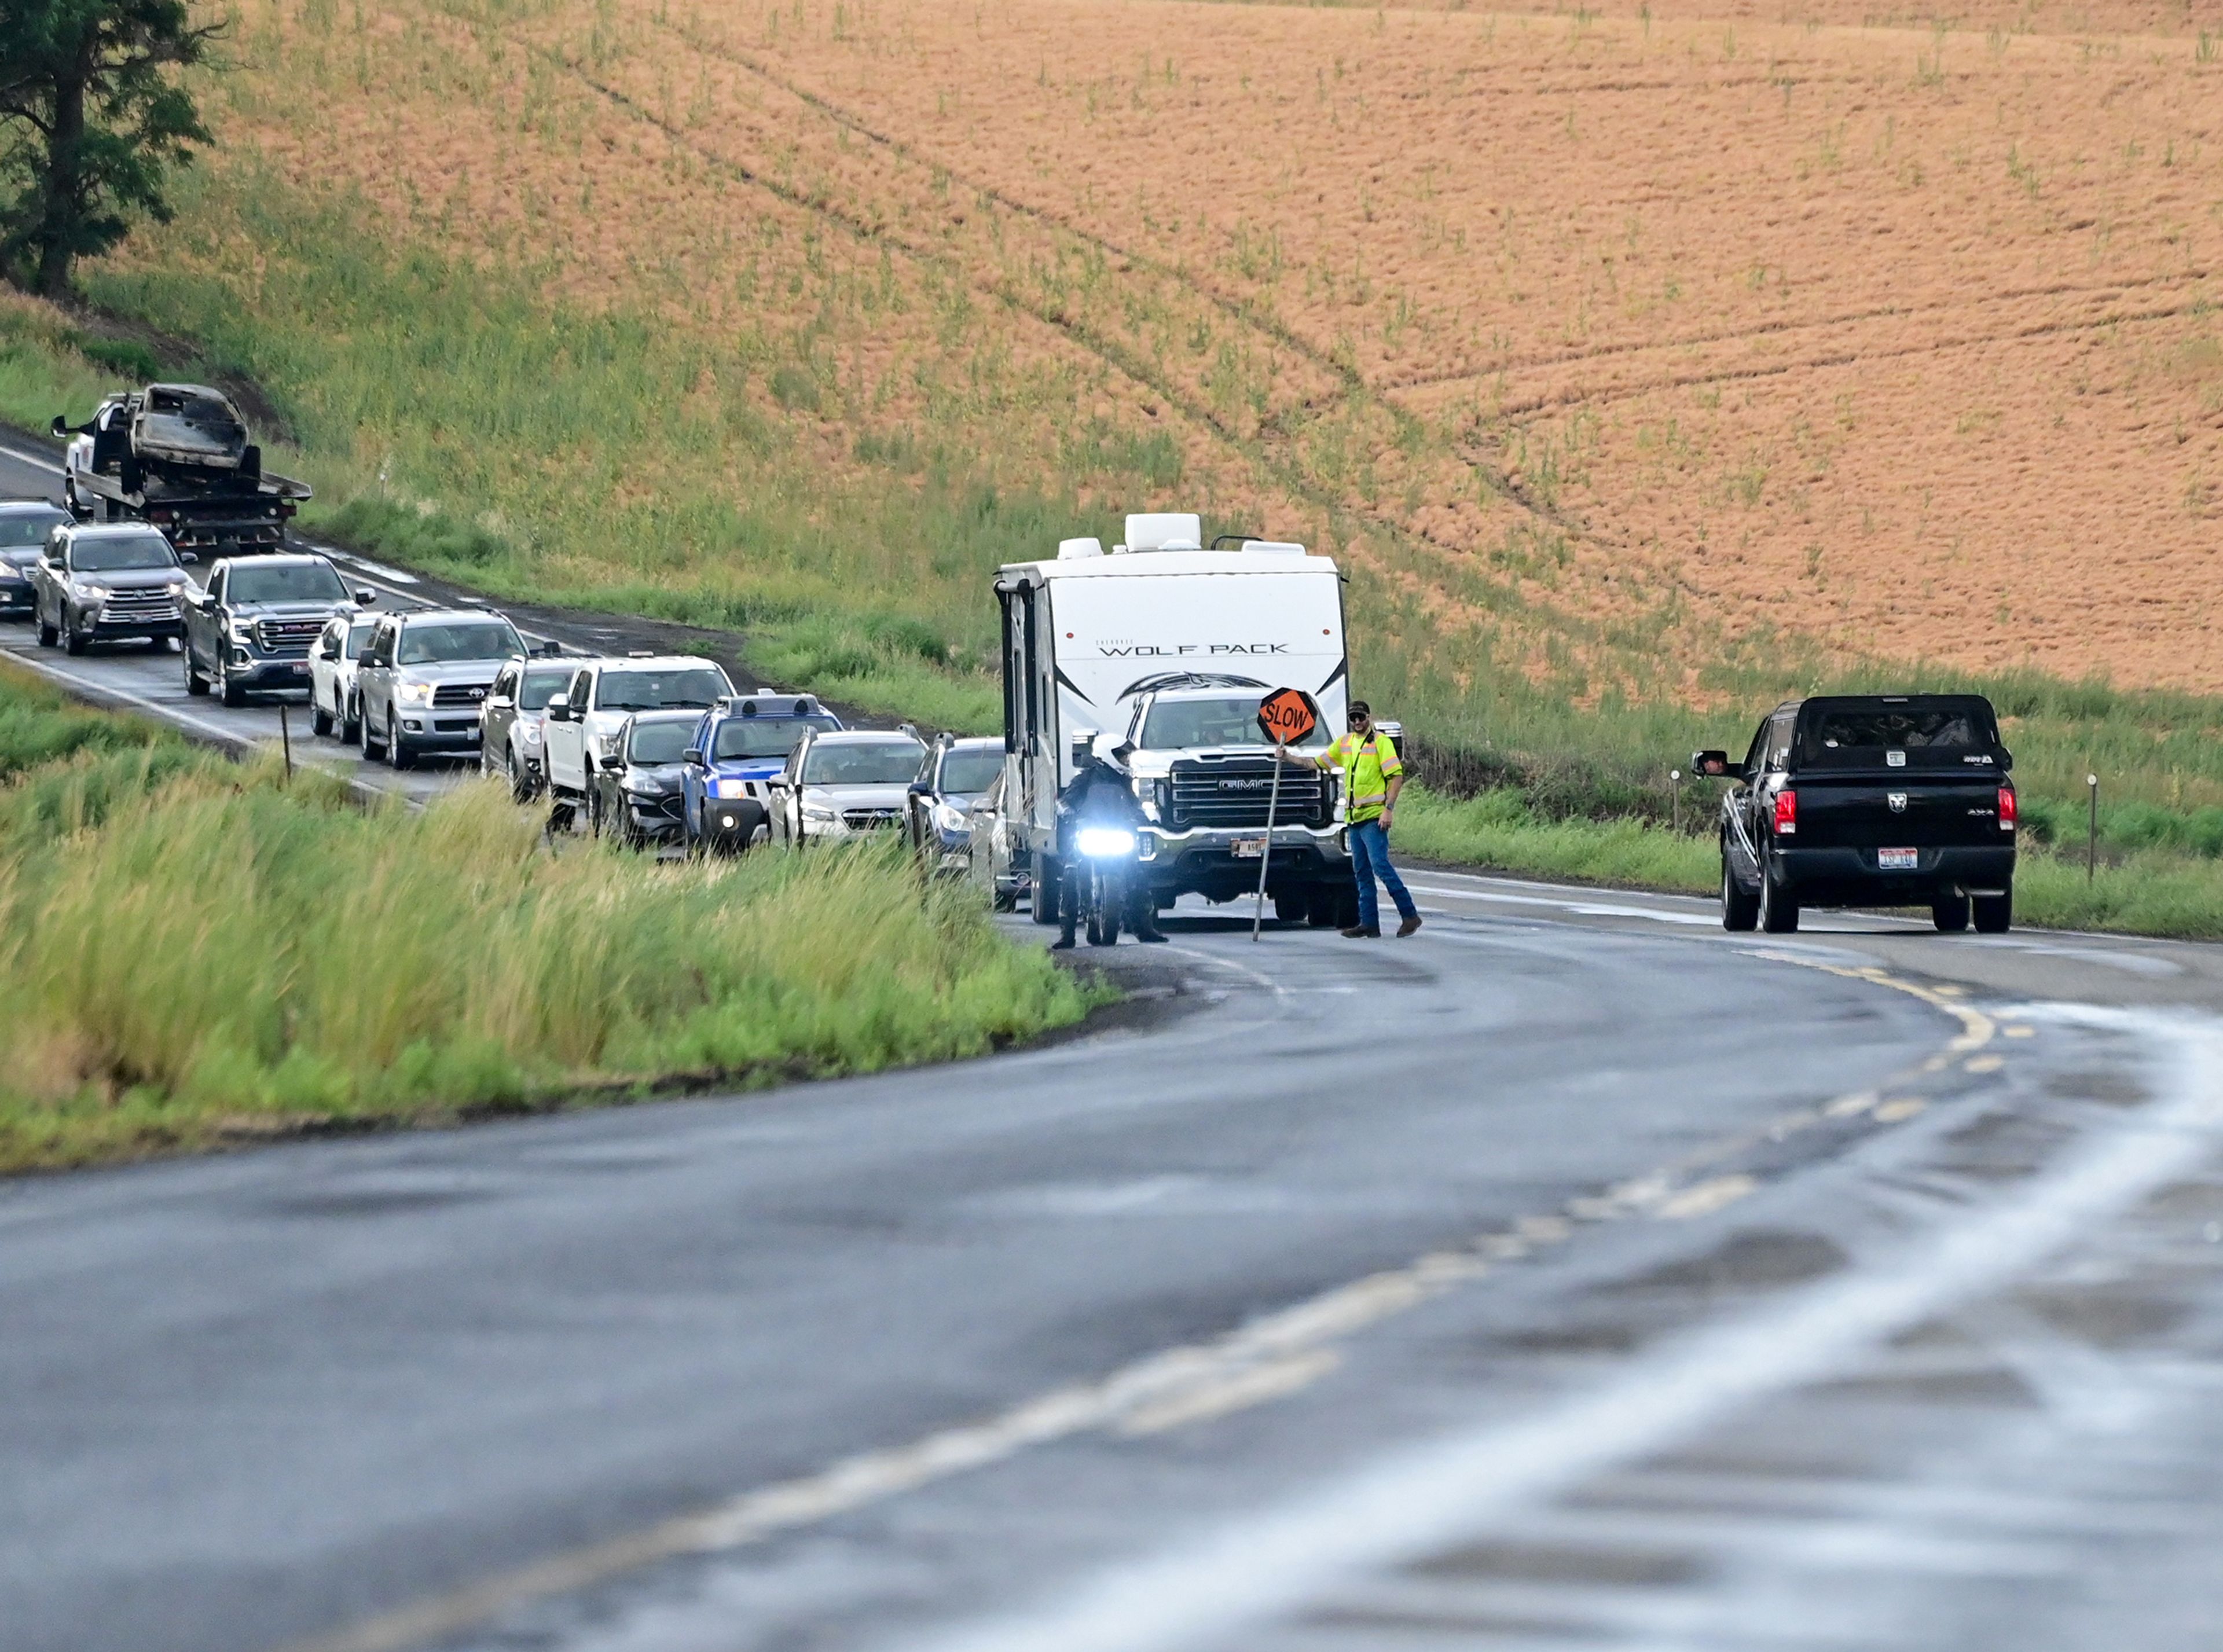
x=1605 y=342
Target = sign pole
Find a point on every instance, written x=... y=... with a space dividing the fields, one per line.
x=1266 y=852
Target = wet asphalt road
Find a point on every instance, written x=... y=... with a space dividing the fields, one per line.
x=1573 y=1274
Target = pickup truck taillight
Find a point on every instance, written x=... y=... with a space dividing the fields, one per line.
x=2006 y=808
x=1786 y=813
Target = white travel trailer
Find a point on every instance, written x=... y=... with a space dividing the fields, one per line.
x=1094 y=641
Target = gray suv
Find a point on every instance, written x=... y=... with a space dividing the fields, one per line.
x=420 y=683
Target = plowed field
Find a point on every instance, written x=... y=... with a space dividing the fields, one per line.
x=1619 y=339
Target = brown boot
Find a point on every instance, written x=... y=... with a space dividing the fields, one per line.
x=1408 y=925
x=1360 y=932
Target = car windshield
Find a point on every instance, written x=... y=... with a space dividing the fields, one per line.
x=1902 y=726
x=660 y=742
x=763 y=736
x=539 y=686
x=358 y=638
x=966 y=772
x=1172 y=724
x=28 y=529
x=142 y=550
x=864 y=763
x=690 y=687
x=287 y=582
x=459 y=639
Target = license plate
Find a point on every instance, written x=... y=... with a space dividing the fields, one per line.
x=301 y=670
x=1897 y=860
x=1250 y=848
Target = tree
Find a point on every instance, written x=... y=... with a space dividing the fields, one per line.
x=90 y=121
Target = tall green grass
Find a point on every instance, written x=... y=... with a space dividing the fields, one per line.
x=192 y=950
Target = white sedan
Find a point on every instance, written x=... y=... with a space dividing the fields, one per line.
x=332 y=709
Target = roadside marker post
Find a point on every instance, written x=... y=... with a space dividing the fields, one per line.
x=1286 y=716
x=2092 y=830
x=1675 y=800
x=286 y=740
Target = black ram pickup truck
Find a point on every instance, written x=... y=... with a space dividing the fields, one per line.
x=1873 y=800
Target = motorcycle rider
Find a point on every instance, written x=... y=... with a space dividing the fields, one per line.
x=1100 y=794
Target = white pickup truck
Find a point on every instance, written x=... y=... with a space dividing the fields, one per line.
x=586 y=721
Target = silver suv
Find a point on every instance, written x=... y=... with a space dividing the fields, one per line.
x=422 y=679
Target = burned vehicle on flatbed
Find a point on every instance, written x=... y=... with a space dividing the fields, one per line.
x=1873 y=801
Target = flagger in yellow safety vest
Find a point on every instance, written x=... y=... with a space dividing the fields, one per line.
x=1373 y=775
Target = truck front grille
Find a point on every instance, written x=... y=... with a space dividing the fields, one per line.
x=288 y=638
x=147 y=603
x=460 y=694
x=1225 y=793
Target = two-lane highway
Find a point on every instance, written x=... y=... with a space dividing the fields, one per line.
x=1573 y=1273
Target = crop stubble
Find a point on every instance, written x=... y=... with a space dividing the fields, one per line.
x=1898 y=336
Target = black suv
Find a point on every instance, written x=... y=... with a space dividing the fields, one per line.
x=251 y=630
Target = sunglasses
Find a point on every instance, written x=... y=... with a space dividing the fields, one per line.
x=1357 y=717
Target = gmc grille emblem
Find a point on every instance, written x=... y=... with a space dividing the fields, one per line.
x=1897 y=801
x=1244 y=785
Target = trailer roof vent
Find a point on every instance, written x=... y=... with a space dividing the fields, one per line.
x=1069 y=548
x=1272 y=548
x=1165 y=530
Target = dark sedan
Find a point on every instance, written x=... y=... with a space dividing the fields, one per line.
x=24 y=524
x=638 y=792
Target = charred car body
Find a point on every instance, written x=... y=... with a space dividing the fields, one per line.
x=1888 y=799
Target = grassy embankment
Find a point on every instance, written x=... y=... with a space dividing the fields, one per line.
x=194 y=951
x=828 y=390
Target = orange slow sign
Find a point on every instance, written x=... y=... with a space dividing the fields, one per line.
x=1288 y=715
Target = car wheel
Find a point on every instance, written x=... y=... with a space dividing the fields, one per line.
x=351 y=724
x=48 y=635
x=561 y=817
x=373 y=748
x=73 y=644
x=1994 y=913
x=397 y=749
x=231 y=692
x=1740 y=911
x=1950 y=913
x=195 y=682
x=1047 y=880
x=321 y=720
x=1294 y=908
x=1779 y=913
x=158 y=644
x=522 y=786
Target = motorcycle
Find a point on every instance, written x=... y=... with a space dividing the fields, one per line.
x=1101 y=878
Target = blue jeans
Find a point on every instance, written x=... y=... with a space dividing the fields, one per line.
x=1370 y=858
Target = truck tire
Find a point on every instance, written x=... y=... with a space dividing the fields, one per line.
x=1319 y=907
x=73 y=644
x=231 y=692
x=372 y=749
x=1994 y=913
x=321 y=720
x=1779 y=913
x=1294 y=906
x=196 y=684
x=1740 y=911
x=398 y=754
x=1047 y=879
x=522 y=786
x=351 y=725
x=1950 y=913
x=48 y=635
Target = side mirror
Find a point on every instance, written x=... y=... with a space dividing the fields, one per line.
x=920 y=789
x=60 y=426
x=364 y=658
x=613 y=762
x=365 y=596
x=559 y=708
x=189 y=557
x=1712 y=765
x=693 y=754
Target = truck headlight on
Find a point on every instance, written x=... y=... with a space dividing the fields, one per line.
x=728 y=786
x=415 y=694
x=1105 y=843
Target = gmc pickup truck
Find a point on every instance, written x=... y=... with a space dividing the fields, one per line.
x=1875 y=800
